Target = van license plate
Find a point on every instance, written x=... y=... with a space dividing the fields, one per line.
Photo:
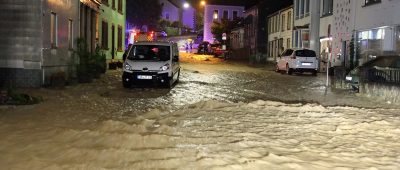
x=143 y=77
x=306 y=64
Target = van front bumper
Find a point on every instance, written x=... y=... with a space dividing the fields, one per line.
x=136 y=78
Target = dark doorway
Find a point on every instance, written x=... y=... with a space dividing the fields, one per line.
x=344 y=57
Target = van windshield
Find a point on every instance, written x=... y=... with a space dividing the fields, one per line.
x=305 y=53
x=150 y=52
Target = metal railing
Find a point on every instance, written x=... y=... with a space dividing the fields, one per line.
x=381 y=75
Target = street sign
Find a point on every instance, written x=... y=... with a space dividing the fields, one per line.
x=223 y=36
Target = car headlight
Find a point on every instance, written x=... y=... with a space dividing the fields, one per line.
x=127 y=66
x=164 y=67
x=349 y=78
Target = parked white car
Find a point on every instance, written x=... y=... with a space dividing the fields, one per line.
x=297 y=60
x=151 y=62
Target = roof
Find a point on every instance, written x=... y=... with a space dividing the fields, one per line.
x=173 y=3
x=281 y=10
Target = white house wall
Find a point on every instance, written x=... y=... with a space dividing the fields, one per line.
x=171 y=10
x=386 y=13
x=59 y=58
x=208 y=17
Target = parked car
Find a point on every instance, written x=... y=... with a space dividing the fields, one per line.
x=297 y=60
x=152 y=62
x=382 y=69
x=204 y=48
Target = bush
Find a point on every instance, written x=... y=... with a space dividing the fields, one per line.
x=90 y=65
x=15 y=98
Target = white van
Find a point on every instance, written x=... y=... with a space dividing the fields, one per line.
x=151 y=62
x=297 y=60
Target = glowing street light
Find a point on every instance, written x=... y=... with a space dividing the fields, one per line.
x=186 y=5
x=202 y=3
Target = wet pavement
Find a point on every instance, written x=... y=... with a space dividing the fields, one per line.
x=119 y=128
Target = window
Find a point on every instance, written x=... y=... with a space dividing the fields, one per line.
x=150 y=52
x=277 y=23
x=327 y=7
x=104 y=35
x=283 y=23
x=119 y=38
x=120 y=6
x=53 y=30
x=270 y=25
x=289 y=20
x=105 y=2
x=370 y=2
x=297 y=10
x=225 y=15
x=113 y=4
x=215 y=14
x=288 y=43
x=235 y=15
x=70 y=34
x=302 y=8
x=307 y=7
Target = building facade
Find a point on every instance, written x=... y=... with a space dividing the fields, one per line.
x=38 y=42
x=112 y=26
x=217 y=13
x=307 y=24
x=174 y=10
x=325 y=33
x=280 y=32
x=373 y=25
x=170 y=11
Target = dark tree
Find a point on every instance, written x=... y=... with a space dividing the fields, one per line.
x=143 y=12
x=225 y=26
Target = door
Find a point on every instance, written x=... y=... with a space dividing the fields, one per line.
x=113 y=50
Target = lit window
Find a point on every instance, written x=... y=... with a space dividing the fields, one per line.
x=215 y=15
x=369 y=2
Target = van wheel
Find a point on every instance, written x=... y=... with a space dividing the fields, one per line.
x=126 y=84
x=289 y=71
x=169 y=82
x=277 y=68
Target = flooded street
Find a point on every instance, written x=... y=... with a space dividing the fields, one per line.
x=219 y=116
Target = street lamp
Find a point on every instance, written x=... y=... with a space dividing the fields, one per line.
x=202 y=3
x=186 y=5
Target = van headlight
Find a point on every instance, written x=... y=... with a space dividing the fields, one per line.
x=164 y=67
x=349 y=78
x=127 y=66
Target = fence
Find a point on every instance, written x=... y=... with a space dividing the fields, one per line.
x=381 y=75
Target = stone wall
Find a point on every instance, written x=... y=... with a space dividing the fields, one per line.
x=13 y=77
x=390 y=93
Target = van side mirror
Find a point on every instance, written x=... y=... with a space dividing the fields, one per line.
x=176 y=58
